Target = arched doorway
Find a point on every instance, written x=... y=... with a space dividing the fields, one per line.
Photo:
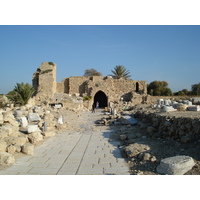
x=137 y=87
x=101 y=98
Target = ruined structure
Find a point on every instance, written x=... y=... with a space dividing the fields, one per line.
x=102 y=89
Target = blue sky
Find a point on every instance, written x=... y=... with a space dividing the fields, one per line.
x=169 y=53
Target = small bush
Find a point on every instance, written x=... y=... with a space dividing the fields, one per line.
x=46 y=71
x=51 y=63
x=86 y=98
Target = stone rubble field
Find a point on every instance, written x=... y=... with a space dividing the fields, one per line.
x=151 y=141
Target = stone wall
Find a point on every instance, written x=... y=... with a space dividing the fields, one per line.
x=182 y=128
x=44 y=81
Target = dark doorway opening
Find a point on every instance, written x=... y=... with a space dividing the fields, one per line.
x=137 y=87
x=101 y=98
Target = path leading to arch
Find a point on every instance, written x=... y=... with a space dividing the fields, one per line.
x=91 y=151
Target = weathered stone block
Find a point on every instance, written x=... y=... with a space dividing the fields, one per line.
x=177 y=165
x=168 y=109
x=11 y=121
x=193 y=108
x=60 y=120
x=1 y=118
x=49 y=134
x=24 y=122
x=11 y=149
x=28 y=149
x=6 y=158
x=7 y=129
x=32 y=128
x=3 y=146
x=21 y=140
x=20 y=113
x=35 y=137
x=136 y=148
x=33 y=117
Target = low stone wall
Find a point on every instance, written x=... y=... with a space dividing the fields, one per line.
x=184 y=129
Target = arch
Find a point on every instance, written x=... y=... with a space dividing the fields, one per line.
x=137 y=87
x=101 y=98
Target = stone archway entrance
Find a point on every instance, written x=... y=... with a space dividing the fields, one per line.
x=101 y=98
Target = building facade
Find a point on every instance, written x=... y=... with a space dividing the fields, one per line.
x=101 y=89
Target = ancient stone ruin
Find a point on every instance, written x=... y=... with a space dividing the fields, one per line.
x=101 y=89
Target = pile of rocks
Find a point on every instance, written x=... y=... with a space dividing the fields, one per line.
x=23 y=127
x=181 y=105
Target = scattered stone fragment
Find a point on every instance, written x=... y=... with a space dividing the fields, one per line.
x=35 y=137
x=146 y=156
x=3 y=146
x=32 y=128
x=11 y=149
x=6 y=158
x=28 y=149
x=153 y=159
x=60 y=120
x=49 y=134
x=123 y=137
x=24 y=122
x=177 y=165
x=136 y=148
x=33 y=117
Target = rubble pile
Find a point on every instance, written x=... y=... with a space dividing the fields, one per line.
x=22 y=128
x=181 y=105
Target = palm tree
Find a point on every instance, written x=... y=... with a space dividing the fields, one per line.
x=22 y=93
x=120 y=72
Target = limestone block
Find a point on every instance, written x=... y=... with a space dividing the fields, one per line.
x=28 y=149
x=168 y=109
x=7 y=129
x=160 y=101
x=18 y=148
x=20 y=113
x=21 y=140
x=177 y=165
x=35 y=137
x=49 y=134
x=33 y=117
x=57 y=106
x=193 y=108
x=7 y=115
x=182 y=107
x=11 y=121
x=27 y=106
x=24 y=122
x=127 y=119
x=6 y=158
x=136 y=148
x=32 y=128
x=195 y=100
x=3 y=146
x=60 y=120
x=11 y=149
x=1 y=118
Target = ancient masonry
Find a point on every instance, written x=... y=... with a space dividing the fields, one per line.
x=102 y=89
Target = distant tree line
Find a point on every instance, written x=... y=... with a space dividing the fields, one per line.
x=160 y=88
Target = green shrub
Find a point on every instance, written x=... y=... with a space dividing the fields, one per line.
x=86 y=98
x=51 y=63
x=21 y=93
x=46 y=71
